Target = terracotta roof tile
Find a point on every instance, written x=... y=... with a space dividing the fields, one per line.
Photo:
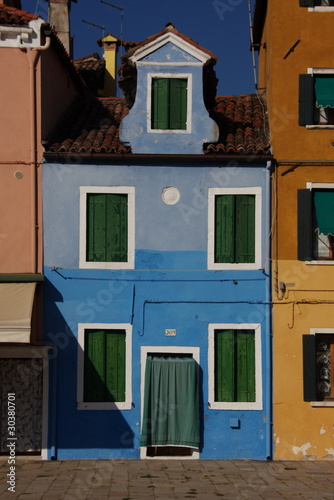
x=91 y=125
x=12 y=16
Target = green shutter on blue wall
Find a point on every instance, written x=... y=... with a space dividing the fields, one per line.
x=104 y=366
x=107 y=227
x=169 y=103
x=245 y=228
x=235 y=228
x=235 y=365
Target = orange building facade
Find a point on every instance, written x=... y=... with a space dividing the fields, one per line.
x=296 y=74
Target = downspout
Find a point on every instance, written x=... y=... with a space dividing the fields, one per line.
x=268 y=343
x=33 y=56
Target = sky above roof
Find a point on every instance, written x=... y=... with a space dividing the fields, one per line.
x=221 y=26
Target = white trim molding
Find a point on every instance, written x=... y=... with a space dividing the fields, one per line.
x=84 y=191
x=125 y=405
x=230 y=405
x=212 y=193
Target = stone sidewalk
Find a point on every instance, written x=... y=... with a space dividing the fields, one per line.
x=167 y=479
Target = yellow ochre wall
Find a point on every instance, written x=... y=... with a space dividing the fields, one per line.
x=300 y=429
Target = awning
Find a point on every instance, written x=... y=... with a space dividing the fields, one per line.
x=324 y=90
x=16 y=301
x=324 y=211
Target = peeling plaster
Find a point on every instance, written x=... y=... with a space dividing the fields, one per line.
x=330 y=451
x=278 y=440
x=301 y=449
x=323 y=429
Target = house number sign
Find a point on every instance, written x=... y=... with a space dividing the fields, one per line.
x=170 y=333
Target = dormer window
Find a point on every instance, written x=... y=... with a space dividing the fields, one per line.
x=169 y=103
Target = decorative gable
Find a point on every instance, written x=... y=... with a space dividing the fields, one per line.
x=168 y=114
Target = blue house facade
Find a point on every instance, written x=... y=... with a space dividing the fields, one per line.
x=157 y=277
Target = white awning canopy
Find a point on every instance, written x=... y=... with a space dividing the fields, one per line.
x=16 y=302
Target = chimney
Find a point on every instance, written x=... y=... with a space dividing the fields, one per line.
x=110 y=45
x=59 y=18
x=12 y=3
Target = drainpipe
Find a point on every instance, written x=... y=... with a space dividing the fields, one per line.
x=33 y=56
x=268 y=343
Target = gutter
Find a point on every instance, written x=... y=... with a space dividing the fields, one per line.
x=33 y=56
x=185 y=160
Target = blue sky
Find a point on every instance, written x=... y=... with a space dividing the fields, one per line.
x=221 y=26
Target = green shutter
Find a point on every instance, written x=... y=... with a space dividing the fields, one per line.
x=306 y=100
x=117 y=228
x=115 y=365
x=178 y=103
x=104 y=366
x=244 y=228
x=245 y=374
x=224 y=228
x=94 y=366
x=309 y=368
x=160 y=99
x=107 y=227
x=224 y=365
x=304 y=223
x=235 y=365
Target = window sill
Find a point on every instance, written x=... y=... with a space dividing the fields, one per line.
x=104 y=406
x=235 y=406
x=323 y=8
x=322 y=404
x=320 y=262
x=321 y=127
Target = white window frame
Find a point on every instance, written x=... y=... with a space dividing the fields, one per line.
x=130 y=192
x=320 y=185
x=322 y=331
x=145 y=350
x=185 y=76
x=231 y=405
x=320 y=71
x=123 y=405
x=212 y=193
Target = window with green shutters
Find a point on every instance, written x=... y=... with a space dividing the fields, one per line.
x=235 y=228
x=316 y=98
x=107 y=227
x=104 y=366
x=235 y=365
x=169 y=103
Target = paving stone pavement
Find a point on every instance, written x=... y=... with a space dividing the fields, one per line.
x=37 y=479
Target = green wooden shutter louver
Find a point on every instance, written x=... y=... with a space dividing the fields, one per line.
x=169 y=104
x=235 y=365
x=235 y=229
x=104 y=366
x=107 y=227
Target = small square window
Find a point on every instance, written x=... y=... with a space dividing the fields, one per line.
x=169 y=104
x=104 y=366
x=316 y=224
x=106 y=227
